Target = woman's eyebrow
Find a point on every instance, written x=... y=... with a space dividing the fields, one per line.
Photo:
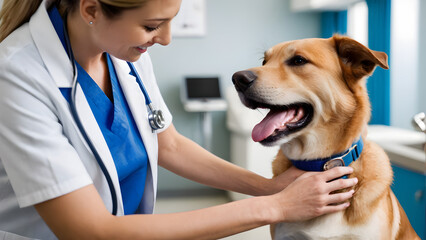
x=158 y=19
x=161 y=19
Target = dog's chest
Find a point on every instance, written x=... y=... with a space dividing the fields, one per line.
x=331 y=226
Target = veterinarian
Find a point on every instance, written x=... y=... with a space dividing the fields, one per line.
x=83 y=127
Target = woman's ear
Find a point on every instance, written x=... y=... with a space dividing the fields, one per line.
x=356 y=60
x=89 y=10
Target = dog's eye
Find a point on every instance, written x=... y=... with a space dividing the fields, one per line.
x=263 y=60
x=297 y=61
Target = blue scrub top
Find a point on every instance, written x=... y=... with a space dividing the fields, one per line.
x=117 y=125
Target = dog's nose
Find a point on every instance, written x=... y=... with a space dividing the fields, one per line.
x=243 y=80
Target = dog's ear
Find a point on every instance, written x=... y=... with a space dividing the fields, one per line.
x=357 y=60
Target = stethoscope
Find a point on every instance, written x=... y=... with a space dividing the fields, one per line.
x=155 y=117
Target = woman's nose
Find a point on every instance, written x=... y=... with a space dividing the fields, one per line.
x=164 y=35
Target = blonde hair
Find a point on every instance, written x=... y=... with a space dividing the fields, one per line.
x=15 y=13
x=124 y=3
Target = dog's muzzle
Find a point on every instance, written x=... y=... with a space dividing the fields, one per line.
x=282 y=119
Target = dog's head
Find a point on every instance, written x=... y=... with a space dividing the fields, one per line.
x=315 y=90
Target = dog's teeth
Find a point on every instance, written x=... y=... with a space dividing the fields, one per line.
x=298 y=115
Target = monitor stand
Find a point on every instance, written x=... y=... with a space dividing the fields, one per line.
x=206 y=109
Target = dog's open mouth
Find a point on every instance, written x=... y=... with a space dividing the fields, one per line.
x=282 y=121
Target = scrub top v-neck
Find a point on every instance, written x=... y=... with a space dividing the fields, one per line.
x=121 y=134
x=118 y=128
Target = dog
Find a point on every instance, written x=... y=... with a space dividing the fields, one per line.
x=319 y=110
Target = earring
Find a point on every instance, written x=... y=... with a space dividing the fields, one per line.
x=90 y=22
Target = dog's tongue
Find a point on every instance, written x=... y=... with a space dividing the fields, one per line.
x=274 y=120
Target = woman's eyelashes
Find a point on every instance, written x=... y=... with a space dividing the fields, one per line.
x=151 y=29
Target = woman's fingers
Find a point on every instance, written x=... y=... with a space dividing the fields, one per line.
x=341 y=183
x=335 y=183
x=311 y=194
x=337 y=172
x=338 y=198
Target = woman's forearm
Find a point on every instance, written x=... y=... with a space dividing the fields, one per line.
x=82 y=215
x=209 y=223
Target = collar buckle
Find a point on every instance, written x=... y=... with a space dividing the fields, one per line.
x=335 y=162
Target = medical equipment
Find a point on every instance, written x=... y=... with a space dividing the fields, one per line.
x=155 y=117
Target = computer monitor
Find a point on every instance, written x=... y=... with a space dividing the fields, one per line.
x=198 y=93
x=202 y=88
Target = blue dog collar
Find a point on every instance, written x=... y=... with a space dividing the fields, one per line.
x=341 y=159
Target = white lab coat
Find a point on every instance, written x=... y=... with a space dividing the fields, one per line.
x=43 y=154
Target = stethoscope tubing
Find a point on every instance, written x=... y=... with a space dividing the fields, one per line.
x=81 y=127
x=91 y=146
x=155 y=117
x=139 y=81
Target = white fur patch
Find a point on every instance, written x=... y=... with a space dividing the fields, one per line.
x=332 y=226
x=396 y=216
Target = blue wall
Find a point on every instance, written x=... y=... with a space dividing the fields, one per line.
x=379 y=39
x=238 y=32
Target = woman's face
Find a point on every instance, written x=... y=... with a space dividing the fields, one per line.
x=133 y=31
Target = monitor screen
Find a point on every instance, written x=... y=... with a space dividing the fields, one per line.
x=203 y=88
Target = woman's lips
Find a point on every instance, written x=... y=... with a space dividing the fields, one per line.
x=141 y=49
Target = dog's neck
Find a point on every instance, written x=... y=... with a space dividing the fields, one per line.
x=322 y=143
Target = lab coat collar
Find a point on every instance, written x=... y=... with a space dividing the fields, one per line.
x=50 y=47
x=60 y=68
x=136 y=100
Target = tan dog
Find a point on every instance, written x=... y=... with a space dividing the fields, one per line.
x=316 y=90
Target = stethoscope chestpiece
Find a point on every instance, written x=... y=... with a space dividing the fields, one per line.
x=156 y=118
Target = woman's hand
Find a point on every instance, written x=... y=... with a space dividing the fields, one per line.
x=310 y=195
x=278 y=183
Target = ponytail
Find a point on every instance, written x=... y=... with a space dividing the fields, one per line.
x=14 y=13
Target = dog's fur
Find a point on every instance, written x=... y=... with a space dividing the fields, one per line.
x=333 y=81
